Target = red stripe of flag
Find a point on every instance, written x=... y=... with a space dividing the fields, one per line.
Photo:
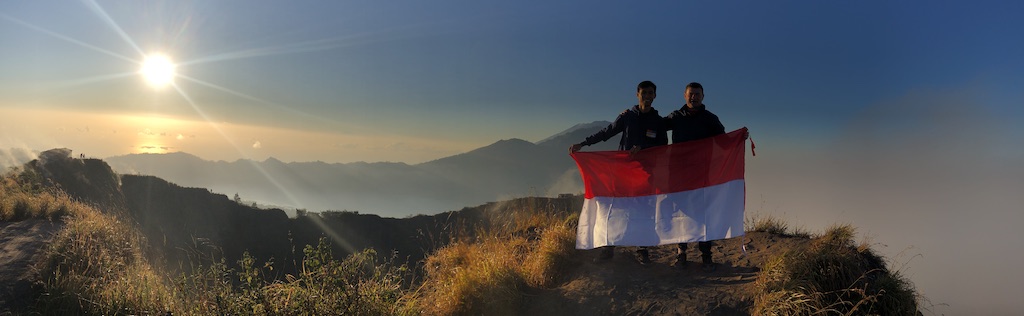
x=663 y=169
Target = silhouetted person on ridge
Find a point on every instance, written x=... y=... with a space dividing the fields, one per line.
x=641 y=127
x=692 y=122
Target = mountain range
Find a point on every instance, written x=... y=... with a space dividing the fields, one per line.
x=505 y=169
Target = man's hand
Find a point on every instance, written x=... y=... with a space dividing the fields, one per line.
x=634 y=150
x=574 y=148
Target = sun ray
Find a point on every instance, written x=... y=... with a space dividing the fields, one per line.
x=71 y=40
x=252 y=98
x=300 y=47
x=89 y=80
x=333 y=234
x=106 y=18
x=288 y=194
x=223 y=89
x=295 y=48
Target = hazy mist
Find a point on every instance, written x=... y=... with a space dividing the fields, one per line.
x=933 y=181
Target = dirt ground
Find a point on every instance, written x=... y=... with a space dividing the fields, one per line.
x=20 y=245
x=622 y=286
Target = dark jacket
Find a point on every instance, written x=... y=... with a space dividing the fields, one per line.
x=693 y=124
x=638 y=129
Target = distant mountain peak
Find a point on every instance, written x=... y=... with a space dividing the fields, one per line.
x=595 y=125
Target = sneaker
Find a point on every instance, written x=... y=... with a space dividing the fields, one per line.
x=606 y=254
x=643 y=256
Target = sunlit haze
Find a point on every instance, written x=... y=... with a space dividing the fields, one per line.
x=901 y=118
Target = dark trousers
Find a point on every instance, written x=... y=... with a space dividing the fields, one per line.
x=705 y=250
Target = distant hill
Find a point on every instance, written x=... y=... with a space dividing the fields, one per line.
x=186 y=223
x=507 y=168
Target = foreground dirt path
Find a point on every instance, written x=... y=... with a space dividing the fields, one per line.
x=20 y=245
x=624 y=287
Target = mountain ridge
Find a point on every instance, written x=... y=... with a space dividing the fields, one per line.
x=503 y=169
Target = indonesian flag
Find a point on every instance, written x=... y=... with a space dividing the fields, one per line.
x=684 y=192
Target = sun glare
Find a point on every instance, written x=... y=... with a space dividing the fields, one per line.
x=157 y=70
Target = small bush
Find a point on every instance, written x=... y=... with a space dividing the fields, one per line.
x=833 y=276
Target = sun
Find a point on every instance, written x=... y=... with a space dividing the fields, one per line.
x=158 y=70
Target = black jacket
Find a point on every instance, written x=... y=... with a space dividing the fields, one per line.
x=693 y=124
x=638 y=129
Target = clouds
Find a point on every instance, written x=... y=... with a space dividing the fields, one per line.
x=257 y=145
x=929 y=171
x=15 y=157
x=148 y=148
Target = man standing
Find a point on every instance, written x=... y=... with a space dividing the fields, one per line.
x=641 y=127
x=691 y=122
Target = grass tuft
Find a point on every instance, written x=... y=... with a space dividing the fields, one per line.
x=20 y=201
x=95 y=266
x=832 y=276
x=773 y=225
x=487 y=273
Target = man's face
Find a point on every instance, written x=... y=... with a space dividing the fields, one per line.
x=694 y=96
x=645 y=97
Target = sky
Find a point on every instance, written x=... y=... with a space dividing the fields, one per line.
x=902 y=118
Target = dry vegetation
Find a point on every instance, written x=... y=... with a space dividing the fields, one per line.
x=833 y=276
x=486 y=273
x=97 y=265
x=22 y=197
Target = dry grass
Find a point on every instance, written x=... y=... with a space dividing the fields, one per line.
x=487 y=274
x=357 y=285
x=21 y=199
x=834 y=276
x=95 y=265
x=772 y=224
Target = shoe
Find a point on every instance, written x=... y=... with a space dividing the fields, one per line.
x=680 y=262
x=606 y=254
x=643 y=256
x=709 y=267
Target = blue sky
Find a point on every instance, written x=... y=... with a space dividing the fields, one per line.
x=473 y=73
x=894 y=101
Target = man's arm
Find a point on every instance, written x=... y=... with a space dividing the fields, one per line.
x=716 y=125
x=611 y=130
x=666 y=122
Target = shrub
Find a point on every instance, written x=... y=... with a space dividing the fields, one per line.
x=833 y=276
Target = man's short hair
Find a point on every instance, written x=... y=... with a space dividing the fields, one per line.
x=695 y=85
x=646 y=84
